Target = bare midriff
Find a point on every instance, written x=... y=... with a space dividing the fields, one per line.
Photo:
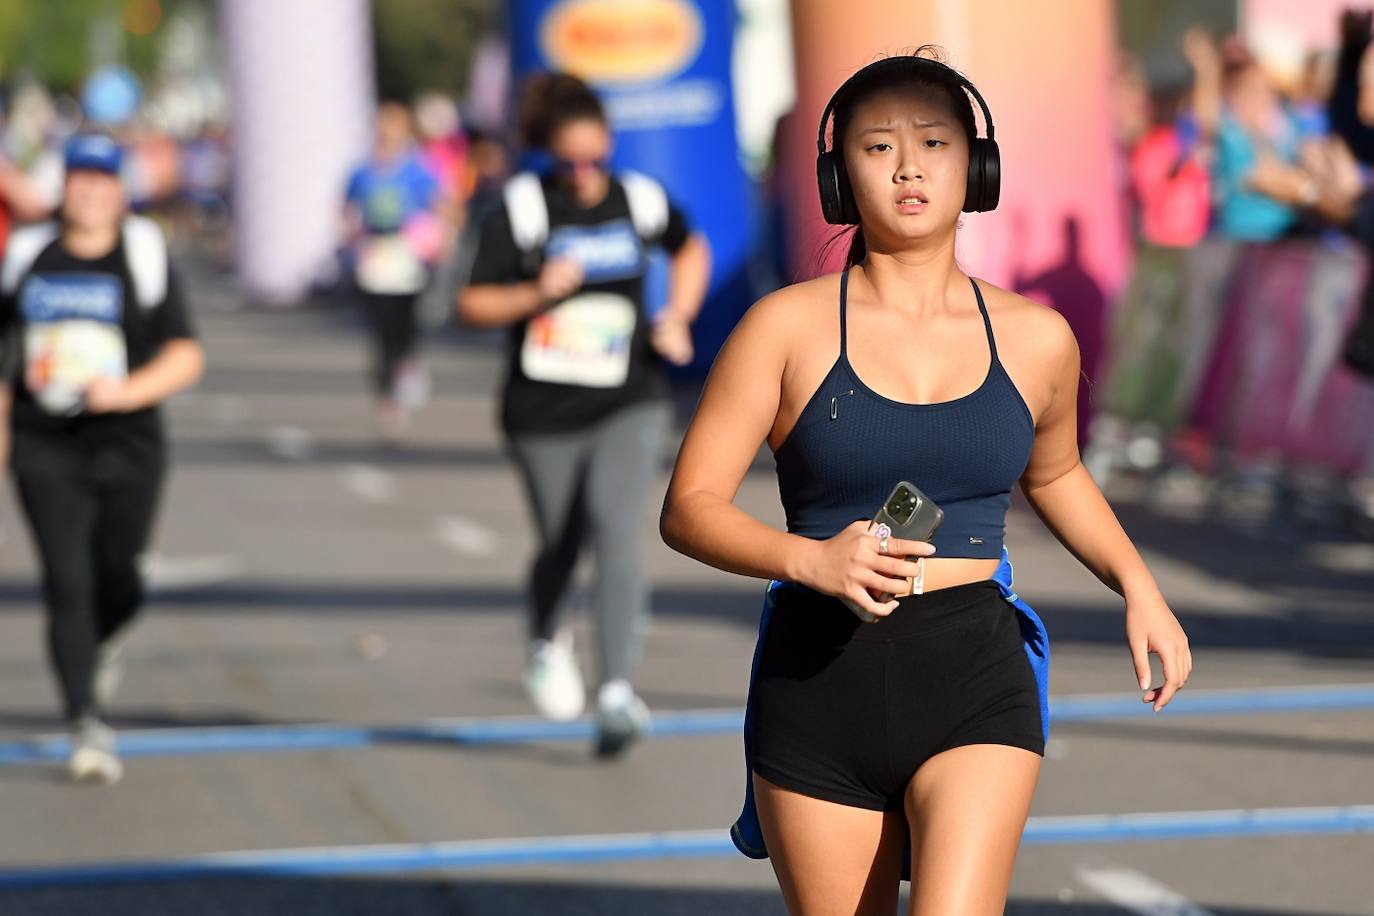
x=944 y=572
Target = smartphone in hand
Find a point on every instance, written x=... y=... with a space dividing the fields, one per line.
x=909 y=514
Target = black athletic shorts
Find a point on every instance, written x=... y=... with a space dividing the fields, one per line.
x=846 y=711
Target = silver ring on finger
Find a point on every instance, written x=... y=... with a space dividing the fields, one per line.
x=882 y=534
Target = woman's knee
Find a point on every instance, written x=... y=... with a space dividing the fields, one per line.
x=69 y=589
x=121 y=591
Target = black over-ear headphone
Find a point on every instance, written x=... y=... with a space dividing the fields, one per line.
x=984 y=161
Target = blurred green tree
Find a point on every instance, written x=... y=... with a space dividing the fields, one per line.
x=426 y=44
x=60 y=42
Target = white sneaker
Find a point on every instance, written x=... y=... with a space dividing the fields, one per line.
x=553 y=680
x=621 y=716
x=93 y=757
x=109 y=670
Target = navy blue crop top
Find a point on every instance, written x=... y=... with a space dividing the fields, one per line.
x=851 y=445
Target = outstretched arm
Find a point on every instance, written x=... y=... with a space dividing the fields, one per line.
x=1205 y=61
x=1068 y=501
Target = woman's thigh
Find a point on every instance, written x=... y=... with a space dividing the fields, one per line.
x=62 y=510
x=831 y=858
x=967 y=807
x=553 y=468
x=623 y=457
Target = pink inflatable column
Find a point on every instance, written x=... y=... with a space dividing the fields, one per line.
x=301 y=87
x=1059 y=234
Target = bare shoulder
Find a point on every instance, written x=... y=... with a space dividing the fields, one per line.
x=1025 y=329
x=1035 y=344
x=798 y=301
x=791 y=314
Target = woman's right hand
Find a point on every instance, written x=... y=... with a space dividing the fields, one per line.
x=559 y=277
x=1199 y=50
x=849 y=565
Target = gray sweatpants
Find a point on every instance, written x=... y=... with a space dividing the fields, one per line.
x=591 y=485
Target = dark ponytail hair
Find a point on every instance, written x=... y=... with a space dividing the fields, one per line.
x=921 y=82
x=550 y=100
x=858 y=249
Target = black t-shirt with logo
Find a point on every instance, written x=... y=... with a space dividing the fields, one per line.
x=588 y=355
x=69 y=320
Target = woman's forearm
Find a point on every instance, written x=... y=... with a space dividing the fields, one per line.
x=689 y=277
x=499 y=304
x=1284 y=183
x=1076 y=512
x=1207 y=99
x=179 y=364
x=713 y=530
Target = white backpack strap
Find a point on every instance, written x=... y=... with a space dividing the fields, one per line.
x=648 y=203
x=25 y=245
x=527 y=211
x=145 y=248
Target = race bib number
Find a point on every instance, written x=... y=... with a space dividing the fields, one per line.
x=584 y=341
x=388 y=264
x=72 y=336
x=607 y=251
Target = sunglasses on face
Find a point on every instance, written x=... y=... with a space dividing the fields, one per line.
x=569 y=166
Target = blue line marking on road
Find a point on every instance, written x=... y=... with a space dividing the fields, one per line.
x=179 y=742
x=475 y=854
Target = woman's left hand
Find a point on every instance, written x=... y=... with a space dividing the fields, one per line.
x=1152 y=627
x=672 y=338
x=109 y=395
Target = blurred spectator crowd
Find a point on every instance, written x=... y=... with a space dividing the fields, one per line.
x=1239 y=372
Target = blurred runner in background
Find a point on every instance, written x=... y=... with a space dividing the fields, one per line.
x=585 y=403
x=97 y=334
x=392 y=216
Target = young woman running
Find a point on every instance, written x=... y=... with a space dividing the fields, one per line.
x=920 y=735
x=585 y=404
x=398 y=220
x=97 y=335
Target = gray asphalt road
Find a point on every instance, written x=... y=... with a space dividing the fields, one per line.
x=305 y=575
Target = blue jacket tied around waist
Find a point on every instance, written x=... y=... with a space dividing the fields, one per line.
x=746 y=833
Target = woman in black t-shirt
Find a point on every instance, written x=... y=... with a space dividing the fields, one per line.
x=584 y=406
x=96 y=337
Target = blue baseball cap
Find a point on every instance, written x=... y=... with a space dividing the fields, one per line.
x=97 y=152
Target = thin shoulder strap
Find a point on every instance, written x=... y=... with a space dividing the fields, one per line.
x=844 y=291
x=987 y=322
